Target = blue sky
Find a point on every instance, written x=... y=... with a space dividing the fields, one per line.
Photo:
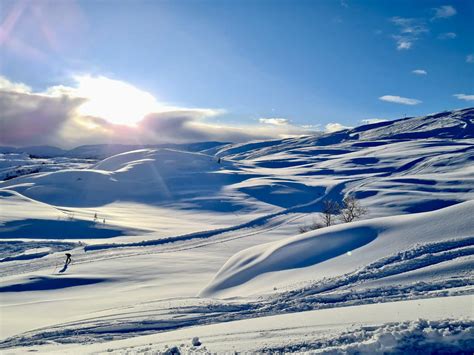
x=310 y=62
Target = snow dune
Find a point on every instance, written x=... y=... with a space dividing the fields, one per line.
x=147 y=175
x=160 y=226
x=367 y=240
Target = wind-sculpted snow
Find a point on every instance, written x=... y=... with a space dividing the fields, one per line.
x=351 y=289
x=415 y=337
x=19 y=250
x=457 y=124
x=146 y=176
x=310 y=249
x=296 y=252
x=148 y=229
x=49 y=283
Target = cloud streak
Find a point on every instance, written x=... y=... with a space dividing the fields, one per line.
x=443 y=12
x=372 y=120
x=409 y=31
x=335 y=127
x=464 y=97
x=420 y=72
x=274 y=121
x=447 y=35
x=400 y=100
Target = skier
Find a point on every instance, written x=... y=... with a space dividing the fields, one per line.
x=68 y=259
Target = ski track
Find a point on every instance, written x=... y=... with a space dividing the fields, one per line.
x=167 y=245
x=418 y=337
x=345 y=290
x=328 y=156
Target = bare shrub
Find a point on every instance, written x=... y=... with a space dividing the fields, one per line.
x=351 y=209
x=330 y=210
x=310 y=227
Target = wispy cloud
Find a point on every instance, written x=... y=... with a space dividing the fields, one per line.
x=403 y=42
x=400 y=100
x=447 y=35
x=334 y=127
x=470 y=58
x=373 y=120
x=464 y=97
x=274 y=121
x=420 y=72
x=409 y=31
x=443 y=12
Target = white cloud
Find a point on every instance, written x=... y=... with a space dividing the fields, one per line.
x=420 y=72
x=447 y=35
x=8 y=85
x=56 y=116
x=372 y=120
x=410 y=30
x=274 y=121
x=334 y=127
x=403 y=43
x=400 y=100
x=443 y=12
x=464 y=97
x=410 y=25
x=470 y=58
x=311 y=127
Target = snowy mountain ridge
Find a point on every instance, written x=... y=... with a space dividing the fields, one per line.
x=456 y=124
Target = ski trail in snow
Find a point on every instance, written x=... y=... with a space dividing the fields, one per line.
x=350 y=289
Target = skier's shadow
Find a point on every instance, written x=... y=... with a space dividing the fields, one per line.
x=64 y=268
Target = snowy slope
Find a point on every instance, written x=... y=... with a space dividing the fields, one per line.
x=101 y=151
x=340 y=249
x=407 y=326
x=457 y=124
x=144 y=175
x=151 y=229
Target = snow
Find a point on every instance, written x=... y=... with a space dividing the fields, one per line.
x=374 y=328
x=169 y=244
x=343 y=247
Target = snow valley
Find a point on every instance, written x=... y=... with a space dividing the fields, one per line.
x=220 y=247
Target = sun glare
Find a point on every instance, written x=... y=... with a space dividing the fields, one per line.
x=114 y=100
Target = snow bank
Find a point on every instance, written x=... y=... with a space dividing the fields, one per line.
x=386 y=235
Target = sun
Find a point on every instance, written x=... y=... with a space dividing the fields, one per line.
x=116 y=101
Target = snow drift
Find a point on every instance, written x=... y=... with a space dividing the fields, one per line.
x=147 y=175
x=375 y=238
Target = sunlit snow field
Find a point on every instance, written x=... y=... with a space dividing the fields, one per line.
x=171 y=244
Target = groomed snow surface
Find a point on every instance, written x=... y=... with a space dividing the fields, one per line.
x=199 y=250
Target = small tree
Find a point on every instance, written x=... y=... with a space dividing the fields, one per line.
x=330 y=209
x=351 y=209
x=310 y=227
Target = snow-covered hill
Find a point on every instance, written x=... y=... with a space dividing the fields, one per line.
x=457 y=124
x=145 y=175
x=101 y=151
x=150 y=229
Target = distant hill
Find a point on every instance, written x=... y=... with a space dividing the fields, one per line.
x=102 y=151
x=456 y=124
